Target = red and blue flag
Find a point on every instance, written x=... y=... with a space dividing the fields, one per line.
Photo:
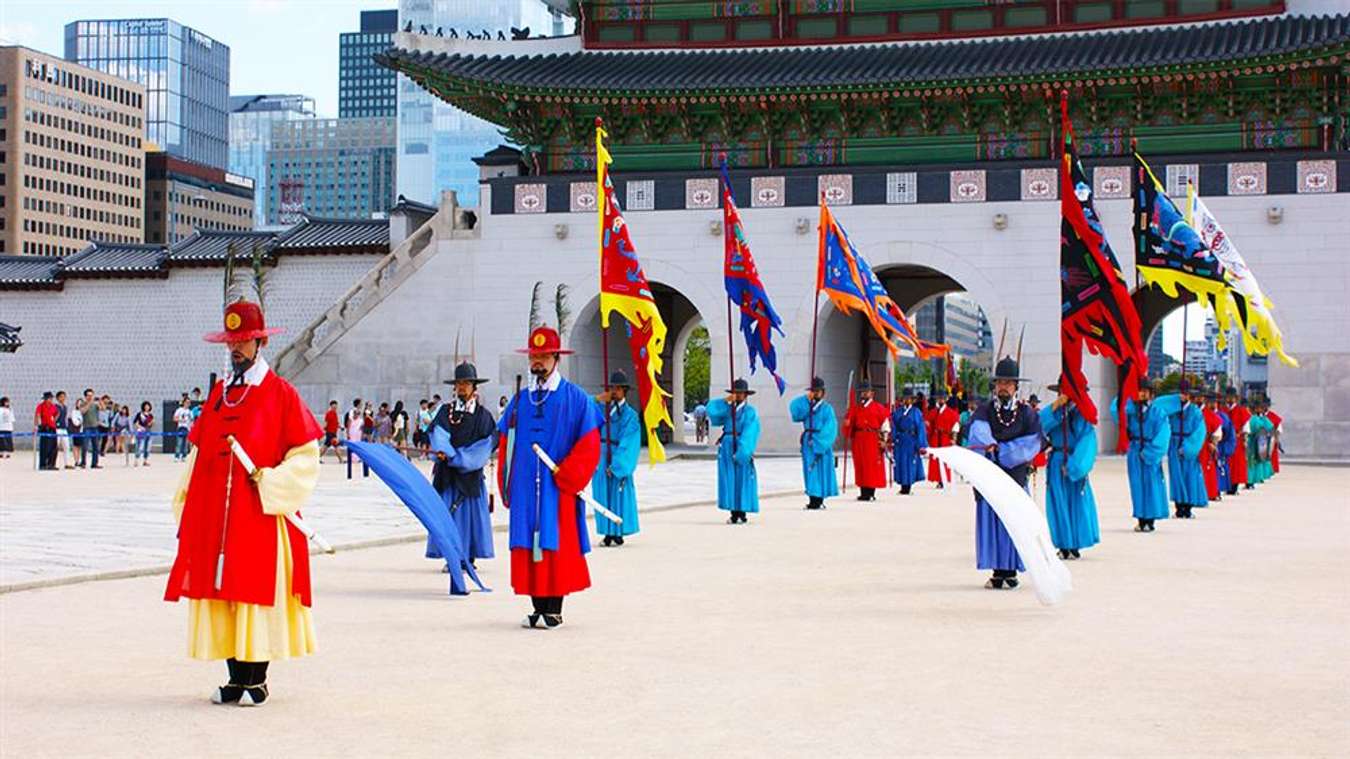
x=746 y=291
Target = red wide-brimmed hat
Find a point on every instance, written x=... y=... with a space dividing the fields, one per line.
x=544 y=341
x=243 y=321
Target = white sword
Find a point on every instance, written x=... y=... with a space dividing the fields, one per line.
x=295 y=521
x=594 y=504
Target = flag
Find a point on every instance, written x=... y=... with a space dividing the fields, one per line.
x=624 y=289
x=845 y=276
x=1250 y=307
x=1095 y=306
x=952 y=381
x=746 y=291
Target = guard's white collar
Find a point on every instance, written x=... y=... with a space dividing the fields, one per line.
x=553 y=382
x=253 y=375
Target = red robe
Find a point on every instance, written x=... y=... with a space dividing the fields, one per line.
x=862 y=428
x=268 y=420
x=1237 y=463
x=1208 y=462
x=939 y=421
x=1275 y=421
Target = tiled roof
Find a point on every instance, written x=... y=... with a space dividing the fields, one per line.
x=211 y=247
x=353 y=235
x=23 y=272
x=9 y=338
x=116 y=259
x=672 y=72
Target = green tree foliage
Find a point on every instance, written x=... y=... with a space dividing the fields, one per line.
x=697 y=368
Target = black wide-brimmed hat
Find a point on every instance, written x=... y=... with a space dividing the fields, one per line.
x=741 y=386
x=618 y=378
x=864 y=384
x=817 y=384
x=1034 y=399
x=466 y=372
x=1007 y=369
x=938 y=392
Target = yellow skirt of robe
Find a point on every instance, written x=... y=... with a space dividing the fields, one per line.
x=252 y=632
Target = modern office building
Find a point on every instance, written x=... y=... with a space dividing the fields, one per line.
x=437 y=142
x=182 y=197
x=958 y=321
x=186 y=75
x=1158 y=359
x=366 y=88
x=72 y=165
x=333 y=168
x=251 y=121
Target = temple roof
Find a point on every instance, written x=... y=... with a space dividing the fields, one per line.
x=315 y=235
x=211 y=247
x=1129 y=53
x=9 y=338
x=115 y=259
x=29 y=272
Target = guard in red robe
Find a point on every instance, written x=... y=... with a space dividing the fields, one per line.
x=1209 y=452
x=1239 y=415
x=548 y=537
x=865 y=430
x=942 y=423
x=1275 y=421
x=242 y=566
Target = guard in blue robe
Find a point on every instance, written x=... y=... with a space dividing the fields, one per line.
x=819 y=430
x=463 y=439
x=620 y=443
x=1070 y=507
x=737 y=484
x=1227 y=446
x=1184 y=473
x=1009 y=433
x=909 y=437
x=1149 y=433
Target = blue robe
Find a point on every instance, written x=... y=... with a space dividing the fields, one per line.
x=1227 y=446
x=469 y=511
x=1070 y=507
x=909 y=436
x=1018 y=443
x=1184 y=472
x=819 y=430
x=737 y=483
x=620 y=443
x=1149 y=434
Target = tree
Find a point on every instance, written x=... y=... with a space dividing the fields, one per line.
x=697 y=367
x=1171 y=382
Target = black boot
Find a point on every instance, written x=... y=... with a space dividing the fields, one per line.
x=904 y=490
x=553 y=612
x=231 y=691
x=255 y=688
x=618 y=540
x=1142 y=526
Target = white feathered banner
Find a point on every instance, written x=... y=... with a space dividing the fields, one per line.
x=1025 y=523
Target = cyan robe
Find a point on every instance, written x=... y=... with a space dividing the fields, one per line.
x=1260 y=439
x=612 y=486
x=1227 y=444
x=1070 y=507
x=1018 y=443
x=819 y=430
x=1149 y=434
x=909 y=437
x=737 y=484
x=470 y=513
x=1188 y=434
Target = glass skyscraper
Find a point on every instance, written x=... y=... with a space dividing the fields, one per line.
x=366 y=88
x=436 y=141
x=251 y=121
x=186 y=75
x=334 y=168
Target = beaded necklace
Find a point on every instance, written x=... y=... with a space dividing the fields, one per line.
x=1012 y=410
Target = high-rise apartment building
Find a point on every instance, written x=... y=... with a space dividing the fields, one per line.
x=251 y=121
x=336 y=168
x=182 y=197
x=186 y=75
x=366 y=88
x=71 y=159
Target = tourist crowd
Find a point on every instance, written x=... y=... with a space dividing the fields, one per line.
x=77 y=434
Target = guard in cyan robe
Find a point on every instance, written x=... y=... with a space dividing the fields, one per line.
x=1009 y=434
x=1260 y=445
x=1239 y=415
x=621 y=442
x=243 y=568
x=737 y=483
x=463 y=437
x=865 y=431
x=549 y=540
x=1183 y=453
x=819 y=430
x=1070 y=507
x=1209 y=454
x=943 y=424
x=1149 y=434
x=909 y=439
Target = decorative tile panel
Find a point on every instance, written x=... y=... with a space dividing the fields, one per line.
x=968 y=186
x=641 y=195
x=584 y=197
x=1040 y=184
x=1247 y=178
x=700 y=193
x=1316 y=176
x=1178 y=174
x=902 y=187
x=1110 y=182
x=531 y=198
x=767 y=192
x=837 y=188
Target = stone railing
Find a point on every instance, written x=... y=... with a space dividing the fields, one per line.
x=384 y=278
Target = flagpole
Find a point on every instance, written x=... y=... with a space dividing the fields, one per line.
x=731 y=346
x=600 y=176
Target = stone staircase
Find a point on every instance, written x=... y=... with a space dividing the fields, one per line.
x=450 y=222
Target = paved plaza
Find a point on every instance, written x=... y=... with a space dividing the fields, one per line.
x=862 y=630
